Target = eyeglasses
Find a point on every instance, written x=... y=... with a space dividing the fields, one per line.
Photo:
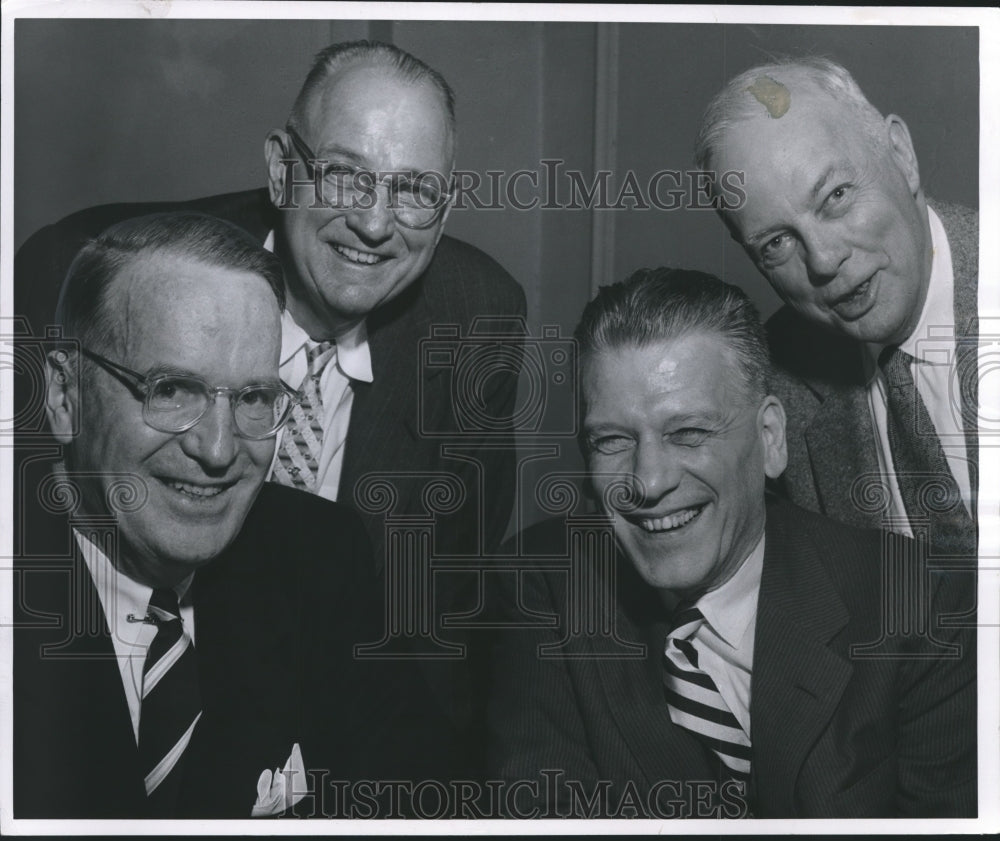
x=417 y=201
x=173 y=403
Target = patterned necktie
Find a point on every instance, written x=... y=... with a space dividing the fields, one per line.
x=694 y=700
x=926 y=483
x=171 y=704
x=302 y=437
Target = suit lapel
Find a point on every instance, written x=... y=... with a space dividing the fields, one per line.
x=797 y=680
x=91 y=753
x=633 y=687
x=384 y=429
x=839 y=440
x=247 y=659
x=964 y=248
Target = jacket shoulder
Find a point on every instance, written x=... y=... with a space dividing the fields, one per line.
x=463 y=276
x=802 y=349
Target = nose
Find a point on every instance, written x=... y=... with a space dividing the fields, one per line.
x=656 y=472
x=370 y=217
x=826 y=253
x=212 y=441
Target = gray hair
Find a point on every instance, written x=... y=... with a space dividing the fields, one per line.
x=657 y=305
x=733 y=105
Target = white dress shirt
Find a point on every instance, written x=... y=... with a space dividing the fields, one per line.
x=724 y=641
x=121 y=597
x=352 y=361
x=935 y=375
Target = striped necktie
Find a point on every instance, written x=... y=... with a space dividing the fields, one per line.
x=694 y=700
x=922 y=472
x=302 y=438
x=171 y=704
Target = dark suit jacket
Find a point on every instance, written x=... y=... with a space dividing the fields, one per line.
x=399 y=423
x=390 y=416
x=834 y=734
x=277 y=616
x=820 y=381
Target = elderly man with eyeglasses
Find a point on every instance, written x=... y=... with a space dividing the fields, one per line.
x=185 y=633
x=355 y=207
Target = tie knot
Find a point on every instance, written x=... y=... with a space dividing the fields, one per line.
x=685 y=621
x=163 y=603
x=895 y=365
x=317 y=357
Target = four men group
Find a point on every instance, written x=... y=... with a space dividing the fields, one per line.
x=210 y=626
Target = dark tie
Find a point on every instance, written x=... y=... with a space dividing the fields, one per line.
x=171 y=705
x=694 y=700
x=926 y=484
x=302 y=437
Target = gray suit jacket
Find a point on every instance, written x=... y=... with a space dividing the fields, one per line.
x=820 y=381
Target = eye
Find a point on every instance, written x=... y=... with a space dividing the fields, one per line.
x=776 y=250
x=420 y=192
x=839 y=199
x=175 y=392
x=611 y=444
x=689 y=436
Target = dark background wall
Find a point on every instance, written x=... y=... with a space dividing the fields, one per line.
x=127 y=110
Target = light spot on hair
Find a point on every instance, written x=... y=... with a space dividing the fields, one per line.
x=774 y=96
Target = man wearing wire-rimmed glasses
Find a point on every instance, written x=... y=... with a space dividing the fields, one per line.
x=200 y=623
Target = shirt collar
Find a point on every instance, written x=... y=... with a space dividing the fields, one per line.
x=120 y=595
x=939 y=306
x=731 y=609
x=353 y=354
x=938 y=312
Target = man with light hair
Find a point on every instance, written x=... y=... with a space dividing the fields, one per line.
x=877 y=340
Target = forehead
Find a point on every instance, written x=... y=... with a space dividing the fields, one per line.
x=166 y=301
x=815 y=128
x=372 y=111
x=693 y=372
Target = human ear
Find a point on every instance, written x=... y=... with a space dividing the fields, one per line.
x=62 y=394
x=901 y=148
x=771 y=423
x=277 y=171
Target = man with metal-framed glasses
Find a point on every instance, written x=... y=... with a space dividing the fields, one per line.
x=355 y=206
x=185 y=632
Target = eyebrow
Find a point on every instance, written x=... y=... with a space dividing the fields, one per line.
x=174 y=371
x=679 y=420
x=817 y=188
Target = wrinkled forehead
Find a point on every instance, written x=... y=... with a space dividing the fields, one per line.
x=164 y=292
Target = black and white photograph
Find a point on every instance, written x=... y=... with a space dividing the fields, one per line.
x=481 y=418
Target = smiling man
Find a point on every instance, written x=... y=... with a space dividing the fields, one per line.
x=705 y=663
x=199 y=627
x=879 y=334
x=355 y=208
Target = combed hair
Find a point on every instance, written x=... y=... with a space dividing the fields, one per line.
x=734 y=104
x=83 y=309
x=658 y=305
x=336 y=57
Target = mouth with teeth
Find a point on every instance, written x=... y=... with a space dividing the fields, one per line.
x=856 y=302
x=352 y=255
x=672 y=522
x=195 y=491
